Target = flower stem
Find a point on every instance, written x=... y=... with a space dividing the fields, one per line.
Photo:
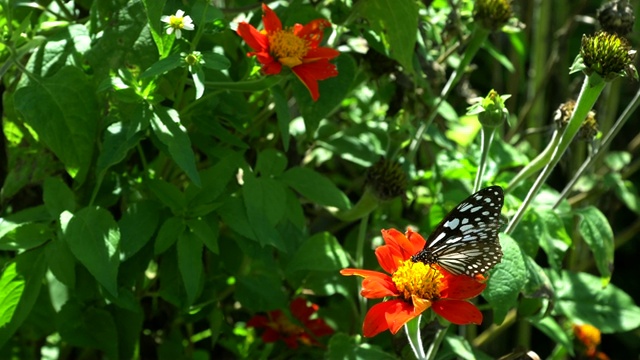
x=263 y=83
x=367 y=203
x=435 y=345
x=536 y=164
x=626 y=114
x=412 y=329
x=362 y=232
x=486 y=137
x=591 y=89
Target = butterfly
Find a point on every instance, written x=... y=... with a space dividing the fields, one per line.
x=466 y=240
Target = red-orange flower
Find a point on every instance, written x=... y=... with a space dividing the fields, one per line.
x=415 y=287
x=589 y=338
x=295 y=47
x=279 y=327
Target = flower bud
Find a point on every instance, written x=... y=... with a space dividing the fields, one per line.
x=616 y=17
x=387 y=179
x=492 y=14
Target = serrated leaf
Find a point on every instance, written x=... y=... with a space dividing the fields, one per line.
x=580 y=297
x=554 y=240
x=190 y=263
x=62 y=110
x=315 y=187
x=118 y=140
x=598 y=235
x=321 y=252
x=506 y=280
x=93 y=237
x=168 y=195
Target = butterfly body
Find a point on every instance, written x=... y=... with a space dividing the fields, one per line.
x=466 y=240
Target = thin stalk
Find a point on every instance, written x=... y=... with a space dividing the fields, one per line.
x=362 y=232
x=412 y=329
x=435 y=345
x=591 y=89
x=617 y=126
x=475 y=42
x=486 y=137
x=536 y=164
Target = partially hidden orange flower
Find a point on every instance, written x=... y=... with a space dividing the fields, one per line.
x=414 y=287
x=279 y=327
x=295 y=47
x=589 y=338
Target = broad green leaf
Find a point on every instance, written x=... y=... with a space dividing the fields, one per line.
x=264 y=200
x=167 y=64
x=166 y=126
x=93 y=237
x=458 y=347
x=190 y=263
x=538 y=284
x=57 y=197
x=555 y=241
x=198 y=81
x=62 y=110
x=343 y=346
x=137 y=225
x=617 y=160
x=215 y=179
x=332 y=92
x=118 y=140
x=22 y=236
x=215 y=61
x=625 y=190
x=20 y=284
x=550 y=327
x=315 y=187
x=89 y=327
x=506 y=280
x=206 y=232
x=598 y=235
x=282 y=113
x=168 y=195
x=270 y=162
x=321 y=252
x=128 y=329
x=234 y=214
x=397 y=23
x=168 y=234
x=260 y=292
x=153 y=9
x=582 y=299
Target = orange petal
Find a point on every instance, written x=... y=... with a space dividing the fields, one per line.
x=459 y=312
x=378 y=287
x=362 y=272
x=399 y=242
x=313 y=31
x=310 y=73
x=375 y=321
x=399 y=314
x=270 y=20
x=388 y=259
x=416 y=240
x=460 y=287
x=254 y=38
x=320 y=53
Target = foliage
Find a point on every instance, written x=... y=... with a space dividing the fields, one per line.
x=162 y=190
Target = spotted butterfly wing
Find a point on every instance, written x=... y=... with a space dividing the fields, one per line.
x=466 y=240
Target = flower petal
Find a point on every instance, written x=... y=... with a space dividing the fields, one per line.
x=254 y=38
x=388 y=259
x=318 y=327
x=378 y=287
x=300 y=310
x=459 y=312
x=375 y=321
x=362 y=273
x=270 y=335
x=270 y=20
x=310 y=73
x=399 y=314
x=400 y=243
x=312 y=31
x=320 y=53
x=459 y=287
x=416 y=240
x=258 y=321
x=179 y=13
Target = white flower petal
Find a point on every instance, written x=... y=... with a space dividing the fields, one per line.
x=178 y=34
x=187 y=27
x=169 y=30
x=179 y=13
x=165 y=18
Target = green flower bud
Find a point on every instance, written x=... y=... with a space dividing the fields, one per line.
x=492 y=14
x=491 y=110
x=608 y=55
x=386 y=179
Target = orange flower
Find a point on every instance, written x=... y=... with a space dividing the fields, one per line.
x=415 y=287
x=296 y=48
x=589 y=337
x=278 y=326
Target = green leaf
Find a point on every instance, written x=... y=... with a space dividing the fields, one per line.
x=206 y=232
x=282 y=113
x=129 y=326
x=215 y=61
x=166 y=126
x=617 y=160
x=167 y=64
x=554 y=240
x=168 y=234
x=260 y=292
x=154 y=13
x=215 y=179
x=22 y=236
x=582 y=299
x=190 y=263
x=168 y=195
x=137 y=225
x=321 y=252
x=93 y=237
x=597 y=234
x=234 y=214
x=118 y=140
x=88 y=327
x=20 y=284
x=625 y=190
x=332 y=92
x=343 y=346
x=506 y=280
x=61 y=262
x=550 y=327
x=397 y=23
x=271 y=162
x=62 y=110
x=264 y=200
x=538 y=284
x=315 y=187
x=57 y=197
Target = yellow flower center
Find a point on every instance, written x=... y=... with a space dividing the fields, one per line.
x=419 y=279
x=176 y=22
x=288 y=48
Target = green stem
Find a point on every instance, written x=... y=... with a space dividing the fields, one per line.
x=435 y=345
x=367 y=203
x=412 y=329
x=362 y=233
x=475 y=42
x=536 y=164
x=591 y=89
x=597 y=154
x=486 y=137
x=263 y=83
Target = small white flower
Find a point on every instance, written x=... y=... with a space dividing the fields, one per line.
x=177 y=23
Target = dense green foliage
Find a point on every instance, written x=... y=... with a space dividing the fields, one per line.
x=159 y=192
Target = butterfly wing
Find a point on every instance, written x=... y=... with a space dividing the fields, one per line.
x=466 y=240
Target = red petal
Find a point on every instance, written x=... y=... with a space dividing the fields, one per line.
x=320 y=53
x=270 y=20
x=388 y=259
x=318 y=327
x=460 y=287
x=258 y=321
x=291 y=341
x=375 y=321
x=399 y=315
x=272 y=68
x=313 y=31
x=310 y=73
x=270 y=336
x=399 y=242
x=459 y=312
x=416 y=240
x=301 y=310
x=254 y=38
x=377 y=287
x=363 y=273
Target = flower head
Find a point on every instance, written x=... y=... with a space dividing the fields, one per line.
x=279 y=327
x=492 y=14
x=296 y=48
x=414 y=287
x=589 y=338
x=616 y=16
x=177 y=23
x=589 y=128
x=609 y=55
x=387 y=179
